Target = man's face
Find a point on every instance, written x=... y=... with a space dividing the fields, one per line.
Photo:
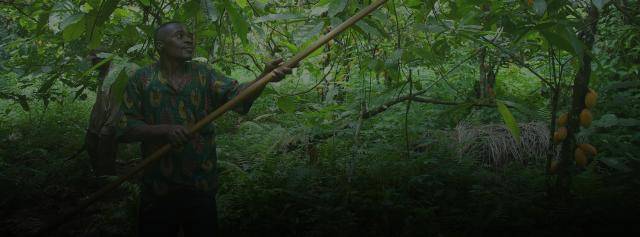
x=177 y=42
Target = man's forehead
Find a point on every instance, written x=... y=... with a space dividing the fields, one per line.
x=172 y=28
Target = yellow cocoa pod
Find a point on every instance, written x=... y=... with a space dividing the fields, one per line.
x=580 y=157
x=590 y=99
x=585 y=118
x=556 y=137
x=562 y=120
x=589 y=149
x=554 y=167
x=560 y=134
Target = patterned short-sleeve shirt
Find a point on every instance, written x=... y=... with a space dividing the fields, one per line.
x=150 y=99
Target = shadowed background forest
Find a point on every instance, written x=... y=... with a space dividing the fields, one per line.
x=432 y=117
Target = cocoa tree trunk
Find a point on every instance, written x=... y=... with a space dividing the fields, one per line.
x=580 y=89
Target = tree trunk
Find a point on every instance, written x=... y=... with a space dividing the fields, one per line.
x=487 y=80
x=580 y=89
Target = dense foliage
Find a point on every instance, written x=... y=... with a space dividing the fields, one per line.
x=432 y=117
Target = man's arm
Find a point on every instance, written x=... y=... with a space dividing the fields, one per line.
x=224 y=89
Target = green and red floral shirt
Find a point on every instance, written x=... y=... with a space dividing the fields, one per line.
x=150 y=99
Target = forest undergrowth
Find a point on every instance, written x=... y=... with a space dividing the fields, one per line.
x=277 y=177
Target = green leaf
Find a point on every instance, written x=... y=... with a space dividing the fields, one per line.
x=72 y=19
x=509 y=120
x=60 y=16
x=336 y=7
x=562 y=39
x=366 y=28
x=570 y=35
x=44 y=88
x=286 y=104
x=240 y=25
x=73 y=31
x=146 y=3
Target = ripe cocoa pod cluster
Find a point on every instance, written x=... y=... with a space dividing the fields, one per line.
x=584 y=152
x=589 y=102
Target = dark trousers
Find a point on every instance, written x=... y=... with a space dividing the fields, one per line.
x=193 y=211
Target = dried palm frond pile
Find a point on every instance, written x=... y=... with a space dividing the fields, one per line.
x=493 y=145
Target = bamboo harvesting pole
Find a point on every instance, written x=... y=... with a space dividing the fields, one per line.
x=259 y=84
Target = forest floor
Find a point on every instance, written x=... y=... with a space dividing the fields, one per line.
x=328 y=188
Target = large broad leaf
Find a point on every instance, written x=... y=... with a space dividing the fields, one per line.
x=557 y=40
x=240 y=25
x=96 y=18
x=336 y=7
x=509 y=120
x=71 y=20
x=62 y=15
x=564 y=38
x=73 y=31
x=569 y=34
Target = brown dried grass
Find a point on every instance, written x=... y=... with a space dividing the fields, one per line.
x=494 y=146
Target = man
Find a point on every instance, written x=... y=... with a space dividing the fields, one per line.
x=159 y=104
x=100 y=138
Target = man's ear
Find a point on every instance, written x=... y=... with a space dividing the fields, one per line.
x=159 y=46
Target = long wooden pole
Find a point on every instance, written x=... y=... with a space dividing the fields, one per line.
x=262 y=82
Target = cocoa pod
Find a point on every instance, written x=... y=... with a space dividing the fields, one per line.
x=562 y=120
x=590 y=99
x=588 y=149
x=585 y=118
x=560 y=135
x=580 y=157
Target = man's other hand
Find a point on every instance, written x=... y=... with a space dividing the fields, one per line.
x=177 y=135
x=278 y=69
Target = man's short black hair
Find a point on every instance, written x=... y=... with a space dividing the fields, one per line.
x=160 y=27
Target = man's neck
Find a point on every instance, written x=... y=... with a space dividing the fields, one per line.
x=171 y=67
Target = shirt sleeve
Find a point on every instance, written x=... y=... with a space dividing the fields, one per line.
x=224 y=89
x=130 y=110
